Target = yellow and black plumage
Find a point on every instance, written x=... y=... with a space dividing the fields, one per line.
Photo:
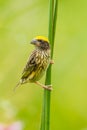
x=37 y=63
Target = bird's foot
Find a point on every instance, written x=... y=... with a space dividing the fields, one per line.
x=51 y=61
x=48 y=87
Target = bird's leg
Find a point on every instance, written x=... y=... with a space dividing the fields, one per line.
x=51 y=61
x=48 y=87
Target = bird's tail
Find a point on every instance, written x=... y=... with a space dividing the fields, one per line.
x=18 y=84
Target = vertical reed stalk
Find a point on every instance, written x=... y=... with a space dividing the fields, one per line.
x=45 y=119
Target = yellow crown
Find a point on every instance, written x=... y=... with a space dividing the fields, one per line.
x=41 y=38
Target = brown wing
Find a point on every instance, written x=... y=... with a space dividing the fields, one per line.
x=30 y=66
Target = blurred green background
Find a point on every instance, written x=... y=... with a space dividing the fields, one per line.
x=22 y=20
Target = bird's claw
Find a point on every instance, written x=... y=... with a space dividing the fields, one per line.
x=48 y=87
x=51 y=61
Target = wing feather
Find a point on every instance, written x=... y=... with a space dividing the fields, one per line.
x=30 y=66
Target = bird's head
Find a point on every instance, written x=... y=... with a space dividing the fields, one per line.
x=41 y=42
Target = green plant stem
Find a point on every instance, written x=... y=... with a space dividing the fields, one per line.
x=45 y=120
x=54 y=23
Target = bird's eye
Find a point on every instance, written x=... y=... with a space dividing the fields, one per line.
x=40 y=40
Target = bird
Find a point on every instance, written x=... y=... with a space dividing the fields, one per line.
x=37 y=63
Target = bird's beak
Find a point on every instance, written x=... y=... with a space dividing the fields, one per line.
x=35 y=42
